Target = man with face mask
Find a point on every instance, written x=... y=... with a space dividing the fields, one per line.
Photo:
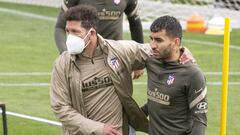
x=177 y=94
x=91 y=84
x=75 y=44
x=110 y=14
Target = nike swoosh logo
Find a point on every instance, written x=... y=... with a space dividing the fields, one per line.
x=196 y=91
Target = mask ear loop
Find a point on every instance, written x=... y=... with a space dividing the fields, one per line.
x=86 y=37
x=87 y=33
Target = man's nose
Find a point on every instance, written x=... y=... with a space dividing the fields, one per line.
x=153 y=46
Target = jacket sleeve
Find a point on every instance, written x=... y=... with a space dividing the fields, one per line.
x=61 y=104
x=134 y=53
x=197 y=99
x=140 y=54
x=60 y=33
x=134 y=21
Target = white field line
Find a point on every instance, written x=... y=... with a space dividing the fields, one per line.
x=208 y=83
x=26 y=14
x=49 y=73
x=205 y=43
x=210 y=43
x=134 y=83
x=47 y=18
x=58 y=123
x=33 y=118
x=25 y=73
x=24 y=84
x=220 y=73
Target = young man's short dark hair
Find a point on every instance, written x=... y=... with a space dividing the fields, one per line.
x=168 y=23
x=86 y=14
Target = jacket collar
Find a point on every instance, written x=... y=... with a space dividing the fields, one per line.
x=103 y=44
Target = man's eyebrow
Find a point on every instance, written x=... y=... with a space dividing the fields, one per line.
x=157 y=38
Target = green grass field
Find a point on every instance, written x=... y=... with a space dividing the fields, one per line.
x=27 y=45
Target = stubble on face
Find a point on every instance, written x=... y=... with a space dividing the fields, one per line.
x=161 y=45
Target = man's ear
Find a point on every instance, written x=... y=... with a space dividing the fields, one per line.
x=93 y=31
x=177 y=43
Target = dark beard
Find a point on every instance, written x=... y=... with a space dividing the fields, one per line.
x=166 y=54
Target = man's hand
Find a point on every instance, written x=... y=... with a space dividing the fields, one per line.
x=137 y=73
x=109 y=130
x=186 y=56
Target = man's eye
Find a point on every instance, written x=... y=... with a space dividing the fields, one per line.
x=159 y=40
x=74 y=31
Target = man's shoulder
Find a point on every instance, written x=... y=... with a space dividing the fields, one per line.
x=122 y=44
x=194 y=67
x=65 y=55
x=62 y=58
x=194 y=70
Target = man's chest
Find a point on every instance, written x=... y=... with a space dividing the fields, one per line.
x=166 y=87
x=94 y=74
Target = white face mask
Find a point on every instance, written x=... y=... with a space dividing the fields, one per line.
x=75 y=44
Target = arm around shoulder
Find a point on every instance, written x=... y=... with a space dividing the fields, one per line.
x=134 y=53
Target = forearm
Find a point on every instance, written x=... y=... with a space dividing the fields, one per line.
x=198 y=128
x=197 y=98
x=76 y=123
x=60 y=40
x=60 y=34
x=136 y=29
x=62 y=105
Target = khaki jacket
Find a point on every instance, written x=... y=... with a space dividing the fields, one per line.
x=66 y=94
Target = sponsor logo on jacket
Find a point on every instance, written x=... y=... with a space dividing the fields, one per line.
x=202 y=107
x=159 y=97
x=97 y=83
x=109 y=15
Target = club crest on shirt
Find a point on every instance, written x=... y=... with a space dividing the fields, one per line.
x=170 y=79
x=116 y=2
x=115 y=62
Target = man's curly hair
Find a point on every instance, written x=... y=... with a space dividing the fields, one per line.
x=86 y=14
